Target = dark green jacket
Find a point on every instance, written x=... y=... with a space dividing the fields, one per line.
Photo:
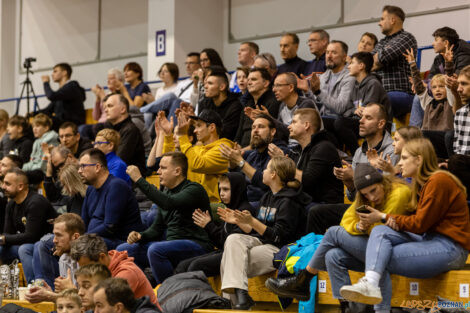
x=176 y=207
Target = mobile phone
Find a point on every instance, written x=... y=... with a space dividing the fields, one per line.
x=363 y=209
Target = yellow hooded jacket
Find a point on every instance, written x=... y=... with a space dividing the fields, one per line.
x=396 y=202
x=207 y=161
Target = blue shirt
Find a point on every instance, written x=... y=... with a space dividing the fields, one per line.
x=111 y=211
x=117 y=167
x=138 y=90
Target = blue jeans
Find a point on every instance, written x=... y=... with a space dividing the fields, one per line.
x=112 y=243
x=417 y=113
x=25 y=254
x=168 y=102
x=410 y=255
x=401 y=103
x=162 y=256
x=45 y=265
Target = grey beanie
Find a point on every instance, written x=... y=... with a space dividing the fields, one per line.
x=366 y=175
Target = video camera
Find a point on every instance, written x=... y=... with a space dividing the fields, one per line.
x=28 y=61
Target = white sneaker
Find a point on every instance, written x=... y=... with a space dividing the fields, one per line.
x=362 y=292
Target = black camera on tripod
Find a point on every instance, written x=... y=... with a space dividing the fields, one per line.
x=27 y=62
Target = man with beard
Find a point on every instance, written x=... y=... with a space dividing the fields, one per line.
x=389 y=61
x=26 y=219
x=332 y=90
x=110 y=208
x=253 y=162
x=57 y=273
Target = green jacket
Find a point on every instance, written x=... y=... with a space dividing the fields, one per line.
x=176 y=207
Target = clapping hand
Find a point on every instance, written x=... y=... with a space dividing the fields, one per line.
x=201 y=218
x=226 y=215
x=163 y=123
x=243 y=217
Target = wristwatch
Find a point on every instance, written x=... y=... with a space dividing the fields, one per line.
x=241 y=163
x=384 y=218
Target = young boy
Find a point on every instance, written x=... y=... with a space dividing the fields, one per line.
x=88 y=276
x=42 y=132
x=232 y=183
x=107 y=140
x=438 y=116
x=21 y=144
x=68 y=301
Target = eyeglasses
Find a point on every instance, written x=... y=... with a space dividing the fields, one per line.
x=280 y=85
x=95 y=143
x=204 y=60
x=66 y=135
x=312 y=40
x=82 y=166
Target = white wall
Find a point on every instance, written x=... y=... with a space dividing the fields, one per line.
x=57 y=31
x=261 y=17
x=67 y=30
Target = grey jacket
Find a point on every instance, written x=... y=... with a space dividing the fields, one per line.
x=385 y=146
x=338 y=100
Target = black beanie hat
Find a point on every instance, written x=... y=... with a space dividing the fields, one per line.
x=366 y=175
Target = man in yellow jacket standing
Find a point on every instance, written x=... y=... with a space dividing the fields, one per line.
x=204 y=157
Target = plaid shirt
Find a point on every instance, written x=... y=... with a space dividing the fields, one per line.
x=462 y=131
x=395 y=69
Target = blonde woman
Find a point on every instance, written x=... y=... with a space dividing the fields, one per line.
x=73 y=187
x=433 y=240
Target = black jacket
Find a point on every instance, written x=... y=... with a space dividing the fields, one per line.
x=83 y=144
x=219 y=231
x=66 y=103
x=144 y=305
x=131 y=149
x=229 y=110
x=316 y=161
x=284 y=214
x=295 y=65
x=461 y=59
x=268 y=100
x=371 y=90
x=27 y=222
x=23 y=147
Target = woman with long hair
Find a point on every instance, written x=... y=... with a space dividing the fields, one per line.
x=279 y=222
x=344 y=247
x=433 y=240
x=73 y=187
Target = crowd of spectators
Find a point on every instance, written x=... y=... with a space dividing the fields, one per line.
x=247 y=163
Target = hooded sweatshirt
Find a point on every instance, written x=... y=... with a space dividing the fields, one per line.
x=218 y=232
x=66 y=103
x=284 y=214
x=36 y=162
x=371 y=90
x=229 y=110
x=461 y=59
x=123 y=266
x=22 y=147
x=208 y=161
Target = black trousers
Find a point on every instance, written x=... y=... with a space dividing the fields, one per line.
x=459 y=165
x=208 y=263
x=345 y=130
x=442 y=142
x=323 y=216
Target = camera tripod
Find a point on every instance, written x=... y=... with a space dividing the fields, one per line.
x=28 y=86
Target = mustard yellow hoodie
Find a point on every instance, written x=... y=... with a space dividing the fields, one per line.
x=169 y=146
x=207 y=161
x=396 y=202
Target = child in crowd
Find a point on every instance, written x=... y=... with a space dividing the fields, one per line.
x=18 y=130
x=107 y=140
x=281 y=220
x=44 y=135
x=88 y=277
x=68 y=301
x=229 y=184
x=438 y=114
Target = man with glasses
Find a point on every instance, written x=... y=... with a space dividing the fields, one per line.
x=110 y=208
x=70 y=138
x=317 y=42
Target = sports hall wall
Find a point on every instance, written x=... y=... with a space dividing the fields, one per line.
x=96 y=35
